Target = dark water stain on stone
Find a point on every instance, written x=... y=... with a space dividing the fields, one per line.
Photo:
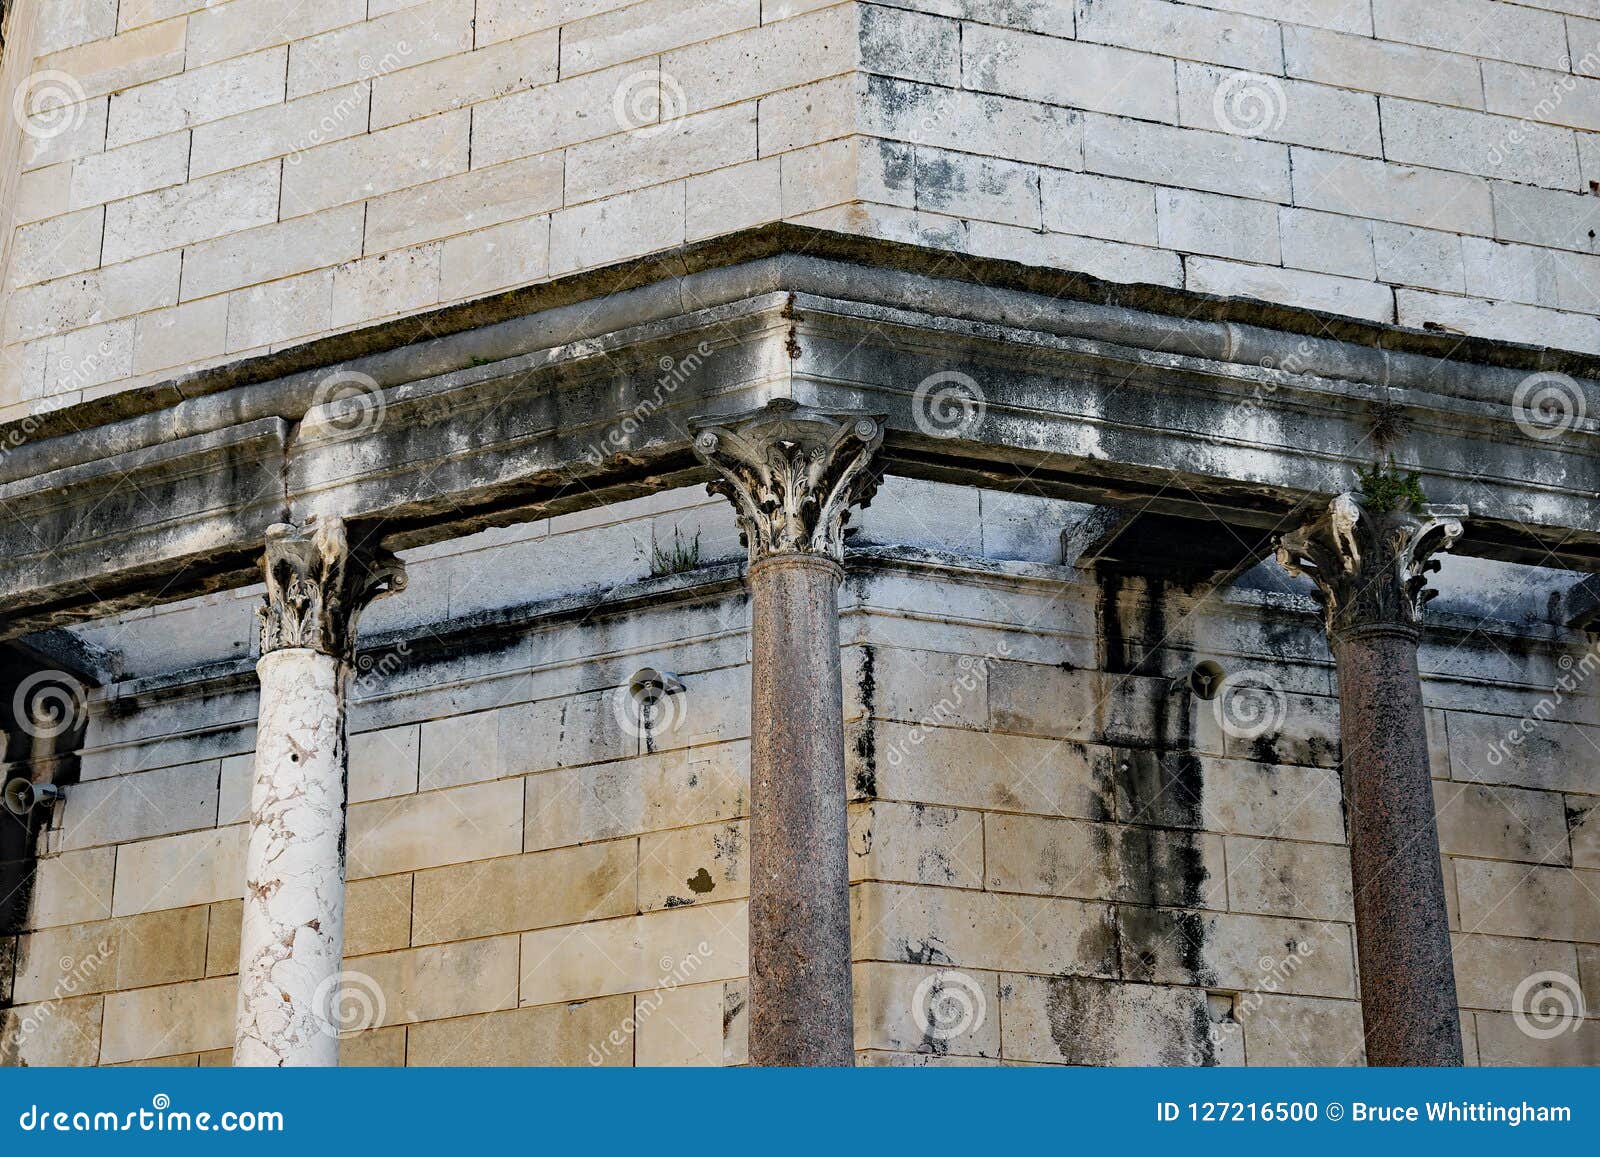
x=701 y=882
x=866 y=779
x=1159 y=869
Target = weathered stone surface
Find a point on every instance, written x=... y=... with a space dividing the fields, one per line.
x=1301 y=1030
x=918 y=925
x=489 y=896
x=635 y=954
x=916 y=844
x=561 y=1034
x=1239 y=952
x=435 y=828
x=925 y=1009
x=1081 y=1021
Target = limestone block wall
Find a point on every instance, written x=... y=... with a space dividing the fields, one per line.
x=227 y=178
x=1057 y=856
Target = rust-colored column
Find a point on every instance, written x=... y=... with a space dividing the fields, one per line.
x=792 y=475
x=1371 y=566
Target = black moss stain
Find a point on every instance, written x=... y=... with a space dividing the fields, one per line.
x=727 y=848
x=866 y=744
x=1157 y=864
x=733 y=1002
x=924 y=952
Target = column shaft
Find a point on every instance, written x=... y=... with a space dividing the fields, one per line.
x=1408 y=990
x=800 y=987
x=793 y=473
x=292 y=938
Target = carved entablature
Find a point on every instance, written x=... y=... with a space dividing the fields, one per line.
x=318 y=585
x=793 y=473
x=1371 y=567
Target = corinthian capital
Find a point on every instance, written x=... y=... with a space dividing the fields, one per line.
x=792 y=474
x=1371 y=566
x=317 y=586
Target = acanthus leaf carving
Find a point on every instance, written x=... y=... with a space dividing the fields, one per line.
x=793 y=473
x=1371 y=566
x=318 y=585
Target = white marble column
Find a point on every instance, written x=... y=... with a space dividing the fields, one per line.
x=292 y=937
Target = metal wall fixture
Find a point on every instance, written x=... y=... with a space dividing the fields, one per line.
x=649 y=686
x=23 y=795
x=1205 y=679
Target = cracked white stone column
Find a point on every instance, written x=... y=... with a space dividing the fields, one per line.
x=291 y=941
x=792 y=474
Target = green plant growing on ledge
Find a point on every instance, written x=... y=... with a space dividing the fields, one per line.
x=1385 y=488
x=681 y=557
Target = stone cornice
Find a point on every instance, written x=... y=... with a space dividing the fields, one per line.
x=757 y=248
x=590 y=401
